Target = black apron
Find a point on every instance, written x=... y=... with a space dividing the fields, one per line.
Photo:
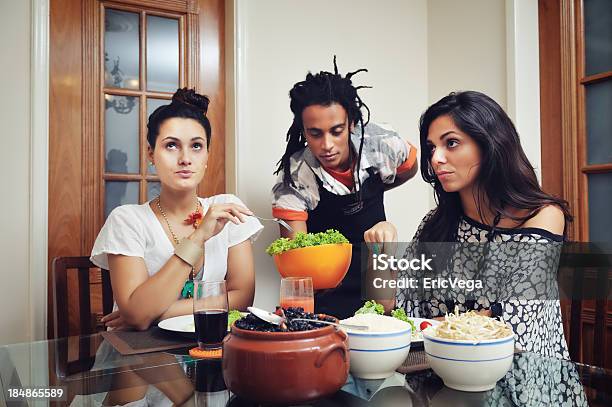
x=344 y=300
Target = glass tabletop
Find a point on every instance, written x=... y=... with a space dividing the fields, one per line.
x=173 y=377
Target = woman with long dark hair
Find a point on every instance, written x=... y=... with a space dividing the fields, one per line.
x=334 y=172
x=501 y=183
x=488 y=197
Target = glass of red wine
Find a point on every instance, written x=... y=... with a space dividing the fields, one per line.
x=210 y=309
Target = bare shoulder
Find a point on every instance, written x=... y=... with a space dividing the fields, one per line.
x=549 y=218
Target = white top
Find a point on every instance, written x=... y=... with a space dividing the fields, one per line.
x=134 y=230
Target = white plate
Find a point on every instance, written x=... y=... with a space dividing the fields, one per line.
x=417 y=322
x=182 y=324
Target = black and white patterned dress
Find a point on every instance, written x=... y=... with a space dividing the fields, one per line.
x=518 y=268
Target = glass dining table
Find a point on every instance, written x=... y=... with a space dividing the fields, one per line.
x=38 y=373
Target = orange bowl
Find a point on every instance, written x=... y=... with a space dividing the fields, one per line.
x=327 y=264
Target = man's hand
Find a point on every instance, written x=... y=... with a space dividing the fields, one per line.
x=382 y=237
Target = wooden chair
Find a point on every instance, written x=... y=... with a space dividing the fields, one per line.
x=60 y=268
x=592 y=270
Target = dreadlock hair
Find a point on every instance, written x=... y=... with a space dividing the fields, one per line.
x=325 y=89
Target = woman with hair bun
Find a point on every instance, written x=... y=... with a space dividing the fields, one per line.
x=144 y=246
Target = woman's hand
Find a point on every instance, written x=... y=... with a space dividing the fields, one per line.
x=114 y=321
x=217 y=216
x=379 y=234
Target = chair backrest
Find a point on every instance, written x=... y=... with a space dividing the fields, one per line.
x=61 y=266
x=592 y=271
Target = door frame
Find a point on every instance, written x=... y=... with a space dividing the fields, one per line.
x=39 y=170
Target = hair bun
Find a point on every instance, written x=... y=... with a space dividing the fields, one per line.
x=189 y=97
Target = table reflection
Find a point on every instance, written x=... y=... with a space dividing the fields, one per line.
x=165 y=378
x=210 y=388
x=531 y=381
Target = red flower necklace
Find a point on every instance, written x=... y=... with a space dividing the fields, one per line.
x=195 y=217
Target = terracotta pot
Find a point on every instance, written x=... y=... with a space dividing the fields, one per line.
x=285 y=367
x=327 y=264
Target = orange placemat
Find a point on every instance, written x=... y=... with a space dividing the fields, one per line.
x=205 y=354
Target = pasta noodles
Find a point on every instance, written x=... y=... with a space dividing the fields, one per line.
x=470 y=326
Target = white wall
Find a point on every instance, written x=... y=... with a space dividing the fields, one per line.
x=523 y=81
x=278 y=42
x=490 y=46
x=15 y=171
x=467 y=47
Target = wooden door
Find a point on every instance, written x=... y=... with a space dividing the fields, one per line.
x=576 y=101
x=111 y=64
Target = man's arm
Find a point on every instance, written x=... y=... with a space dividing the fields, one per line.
x=403 y=177
x=296 y=225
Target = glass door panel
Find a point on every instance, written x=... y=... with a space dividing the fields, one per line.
x=597 y=36
x=600 y=202
x=121 y=49
x=152 y=105
x=119 y=193
x=599 y=122
x=121 y=129
x=153 y=189
x=597 y=27
x=162 y=54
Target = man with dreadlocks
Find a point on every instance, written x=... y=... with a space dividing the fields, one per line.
x=333 y=174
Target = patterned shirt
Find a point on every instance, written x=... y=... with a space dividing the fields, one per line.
x=383 y=150
x=520 y=273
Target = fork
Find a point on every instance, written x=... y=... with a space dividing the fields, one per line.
x=279 y=221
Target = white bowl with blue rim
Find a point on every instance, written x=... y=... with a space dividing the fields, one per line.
x=377 y=353
x=469 y=365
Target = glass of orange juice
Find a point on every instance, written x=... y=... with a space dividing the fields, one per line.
x=297 y=292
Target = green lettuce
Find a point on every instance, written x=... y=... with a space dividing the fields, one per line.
x=400 y=314
x=233 y=316
x=301 y=239
x=371 y=307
